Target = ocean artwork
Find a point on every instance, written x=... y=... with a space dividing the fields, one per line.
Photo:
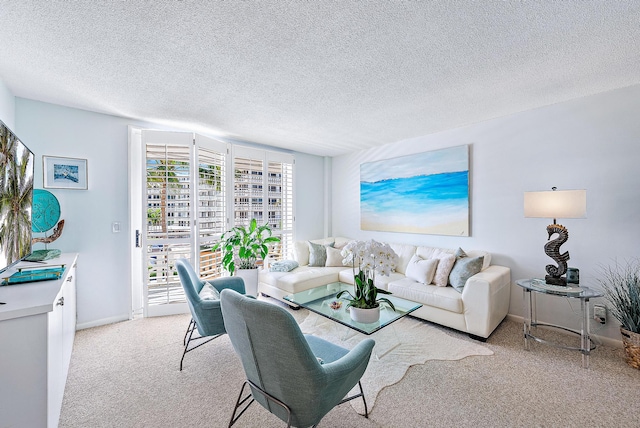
x=424 y=193
x=63 y=172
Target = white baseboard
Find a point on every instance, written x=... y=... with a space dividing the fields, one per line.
x=104 y=321
x=606 y=341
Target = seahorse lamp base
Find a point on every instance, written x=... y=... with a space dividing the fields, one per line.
x=555 y=281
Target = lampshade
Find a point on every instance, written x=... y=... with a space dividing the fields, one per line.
x=556 y=204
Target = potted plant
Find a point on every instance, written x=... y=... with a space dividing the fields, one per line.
x=621 y=284
x=370 y=257
x=241 y=248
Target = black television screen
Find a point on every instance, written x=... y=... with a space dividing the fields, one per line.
x=16 y=184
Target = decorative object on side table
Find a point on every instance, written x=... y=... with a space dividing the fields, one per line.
x=621 y=284
x=64 y=173
x=45 y=217
x=241 y=248
x=556 y=204
x=370 y=257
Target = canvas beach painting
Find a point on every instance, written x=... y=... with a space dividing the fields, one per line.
x=424 y=193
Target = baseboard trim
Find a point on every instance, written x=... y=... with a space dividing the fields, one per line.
x=606 y=341
x=103 y=321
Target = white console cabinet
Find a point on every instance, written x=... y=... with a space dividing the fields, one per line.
x=37 y=328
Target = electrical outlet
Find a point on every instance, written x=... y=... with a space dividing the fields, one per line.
x=600 y=313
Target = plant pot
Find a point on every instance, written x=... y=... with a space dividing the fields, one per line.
x=250 y=277
x=365 y=316
x=631 y=342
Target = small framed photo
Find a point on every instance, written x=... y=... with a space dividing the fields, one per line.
x=64 y=173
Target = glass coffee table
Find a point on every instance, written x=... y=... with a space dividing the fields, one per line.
x=319 y=300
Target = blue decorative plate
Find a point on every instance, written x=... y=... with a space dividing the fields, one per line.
x=45 y=211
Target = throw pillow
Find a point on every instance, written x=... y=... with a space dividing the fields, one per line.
x=445 y=264
x=460 y=253
x=318 y=254
x=464 y=269
x=421 y=270
x=209 y=292
x=283 y=266
x=334 y=257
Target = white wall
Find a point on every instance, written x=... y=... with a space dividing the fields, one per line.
x=103 y=265
x=7 y=106
x=589 y=143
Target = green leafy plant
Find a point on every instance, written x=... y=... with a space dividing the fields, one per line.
x=242 y=246
x=370 y=256
x=621 y=284
x=365 y=293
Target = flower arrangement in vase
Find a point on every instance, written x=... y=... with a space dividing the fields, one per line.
x=367 y=258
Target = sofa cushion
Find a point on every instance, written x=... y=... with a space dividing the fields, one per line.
x=341 y=241
x=301 y=249
x=301 y=278
x=439 y=297
x=318 y=254
x=421 y=270
x=404 y=252
x=381 y=281
x=445 y=264
x=463 y=269
x=486 y=262
x=283 y=266
x=334 y=257
x=427 y=252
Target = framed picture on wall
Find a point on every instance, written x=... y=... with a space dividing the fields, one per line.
x=64 y=173
x=425 y=193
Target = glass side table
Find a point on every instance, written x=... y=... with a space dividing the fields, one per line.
x=532 y=287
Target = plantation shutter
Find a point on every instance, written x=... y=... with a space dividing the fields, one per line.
x=211 y=207
x=263 y=189
x=280 y=202
x=169 y=225
x=248 y=186
x=186 y=188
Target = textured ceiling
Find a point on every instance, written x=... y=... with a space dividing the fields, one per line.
x=321 y=77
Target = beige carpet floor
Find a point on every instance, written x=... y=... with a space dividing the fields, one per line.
x=126 y=375
x=400 y=345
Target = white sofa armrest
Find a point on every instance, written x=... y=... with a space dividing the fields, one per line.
x=486 y=299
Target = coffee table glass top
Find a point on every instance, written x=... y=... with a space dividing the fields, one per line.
x=319 y=300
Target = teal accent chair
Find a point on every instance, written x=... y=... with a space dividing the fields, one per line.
x=299 y=378
x=206 y=315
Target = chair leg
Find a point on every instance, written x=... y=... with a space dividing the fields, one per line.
x=184 y=340
x=190 y=331
x=239 y=402
x=366 y=412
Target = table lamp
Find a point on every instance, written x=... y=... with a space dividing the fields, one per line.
x=556 y=204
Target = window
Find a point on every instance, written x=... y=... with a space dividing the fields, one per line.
x=193 y=189
x=260 y=176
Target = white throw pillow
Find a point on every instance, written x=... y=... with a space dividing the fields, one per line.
x=334 y=257
x=209 y=292
x=445 y=264
x=421 y=270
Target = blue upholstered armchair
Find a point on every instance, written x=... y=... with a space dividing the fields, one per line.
x=299 y=378
x=204 y=303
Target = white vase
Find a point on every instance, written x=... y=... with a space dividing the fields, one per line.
x=365 y=316
x=250 y=277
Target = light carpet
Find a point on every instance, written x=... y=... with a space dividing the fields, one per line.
x=400 y=345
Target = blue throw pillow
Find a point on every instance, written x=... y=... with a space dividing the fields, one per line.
x=283 y=266
x=464 y=269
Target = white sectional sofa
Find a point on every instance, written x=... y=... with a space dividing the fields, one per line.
x=478 y=309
